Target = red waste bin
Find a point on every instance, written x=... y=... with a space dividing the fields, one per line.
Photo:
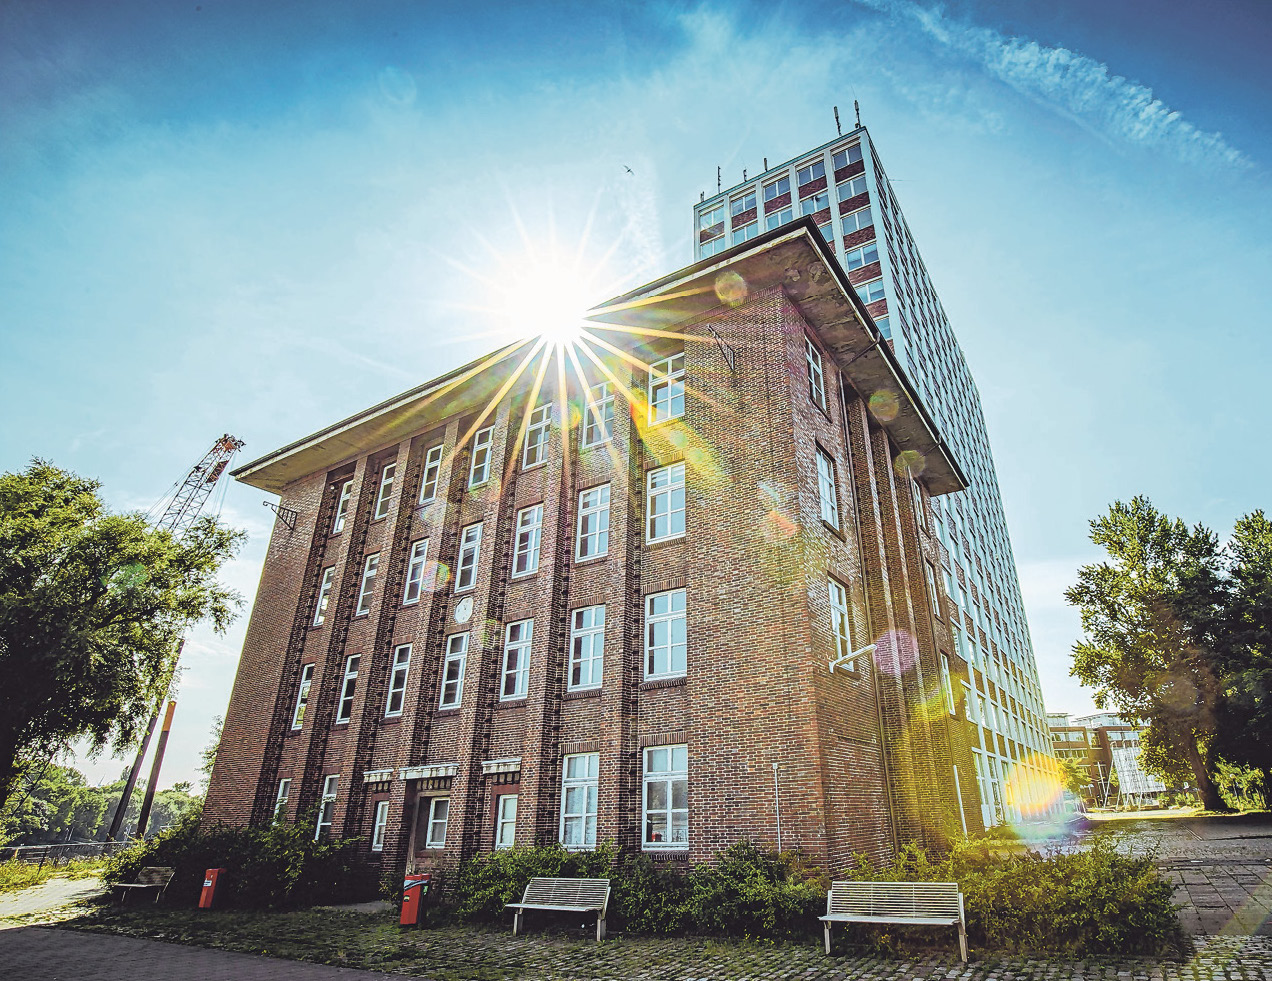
x=414 y=889
x=210 y=879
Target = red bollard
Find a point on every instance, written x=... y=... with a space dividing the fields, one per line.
x=208 y=896
x=414 y=889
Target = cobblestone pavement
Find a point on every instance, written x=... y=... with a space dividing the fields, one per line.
x=47 y=896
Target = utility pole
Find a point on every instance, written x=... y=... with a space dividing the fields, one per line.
x=148 y=801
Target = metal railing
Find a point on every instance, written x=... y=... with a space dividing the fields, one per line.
x=61 y=854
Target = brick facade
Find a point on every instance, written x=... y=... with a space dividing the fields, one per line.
x=865 y=757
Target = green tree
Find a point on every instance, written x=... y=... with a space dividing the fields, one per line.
x=1076 y=779
x=52 y=804
x=1150 y=616
x=92 y=606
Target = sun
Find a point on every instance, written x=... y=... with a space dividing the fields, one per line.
x=545 y=298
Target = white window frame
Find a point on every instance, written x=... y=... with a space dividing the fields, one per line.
x=535 y=452
x=342 y=507
x=746 y=232
x=399 y=672
x=666 y=635
x=779 y=218
x=947 y=683
x=709 y=219
x=327 y=805
x=505 y=823
x=587 y=648
x=592 y=540
x=518 y=645
x=572 y=816
x=811 y=169
x=710 y=248
x=848 y=155
x=453 y=664
x=667 y=389
x=855 y=221
x=840 y=622
x=930 y=575
x=851 y=187
x=431 y=837
x=920 y=512
x=868 y=290
x=815 y=202
x=414 y=587
x=469 y=557
x=324 y=595
x=665 y=502
x=665 y=767
x=280 y=799
x=827 y=489
x=302 y=695
x=859 y=252
x=432 y=471
x=348 y=689
x=385 y=496
x=598 y=426
x=527 y=539
x=816 y=373
x=380 y=826
x=370 y=565
x=776 y=188
x=479 y=465
x=741 y=203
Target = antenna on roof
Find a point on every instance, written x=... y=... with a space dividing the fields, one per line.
x=702 y=196
x=717 y=180
x=766 y=164
x=743 y=175
x=857 y=109
x=838 y=128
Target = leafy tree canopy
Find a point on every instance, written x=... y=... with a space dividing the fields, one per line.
x=92 y=607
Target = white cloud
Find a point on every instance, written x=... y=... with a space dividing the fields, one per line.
x=1080 y=88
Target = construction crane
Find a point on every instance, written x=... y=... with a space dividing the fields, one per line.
x=181 y=508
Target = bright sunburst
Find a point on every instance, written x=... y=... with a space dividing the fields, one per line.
x=545 y=297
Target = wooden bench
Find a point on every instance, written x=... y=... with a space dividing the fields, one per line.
x=569 y=895
x=901 y=903
x=154 y=877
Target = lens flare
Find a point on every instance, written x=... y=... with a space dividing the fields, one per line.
x=909 y=463
x=731 y=288
x=896 y=652
x=885 y=405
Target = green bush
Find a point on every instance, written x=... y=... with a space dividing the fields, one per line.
x=756 y=893
x=15 y=874
x=276 y=866
x=1090 y=902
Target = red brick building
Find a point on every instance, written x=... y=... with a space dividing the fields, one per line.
x=596 y=598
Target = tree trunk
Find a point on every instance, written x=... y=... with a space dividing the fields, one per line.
x=1206 y=788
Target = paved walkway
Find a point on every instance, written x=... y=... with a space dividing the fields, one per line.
x=50 y=895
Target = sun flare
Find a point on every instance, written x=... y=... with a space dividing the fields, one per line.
x=547 y=299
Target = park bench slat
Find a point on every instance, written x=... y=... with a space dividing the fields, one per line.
x=904 y=903
x=578 y=895
x=154 y=877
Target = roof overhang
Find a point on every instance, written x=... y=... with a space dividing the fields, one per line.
x=797 y=259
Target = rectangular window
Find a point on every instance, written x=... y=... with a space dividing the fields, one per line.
x=871 y=291
x=324 y=594
x=779 y=218
x=846 y=156
x=709 y=219
x=587 y=647
x=665 y=502
x=525 y=559
x=599 y=426
x=946 y=683
x=811 y=172
x=453 y=671
x=827 y=494
x=816 y=381
x=479 y=468
x=342 y=507
x=885 y=328
x=432 y=468
x=777 y=188
x=347 y=689
x=709 y=249
x=469 y=553
x=815 y=203
x=327 y=806
x=536 y=449
x=931 y=585
x=397 y=680
x=518 y=640
x=505 y=822
x=863 y=255
x=381 y=824
x=438 y=813
x=743 y=202
x=386 y=490
x=851 y=187
x=746 y=233
x=594 y=514
x=667 y=388
x=280 y=802
x=302 y=695
x=665 y=640
x=578 y=800
x=368 y=583
x=666 y=799
x=827 y=232
x=857 y=220
x=415 y=572
x=840 y=622
x=920 y=513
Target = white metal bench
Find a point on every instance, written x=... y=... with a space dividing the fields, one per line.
x=569 y=895
x=902 y=903
x=154 y=877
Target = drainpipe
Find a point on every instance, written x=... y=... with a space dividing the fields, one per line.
x=777 y=806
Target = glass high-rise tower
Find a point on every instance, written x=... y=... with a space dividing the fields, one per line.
x=843 y=187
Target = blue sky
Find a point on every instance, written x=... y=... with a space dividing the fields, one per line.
x=260 y=218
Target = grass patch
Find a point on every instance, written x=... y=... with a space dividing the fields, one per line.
x=15 y=875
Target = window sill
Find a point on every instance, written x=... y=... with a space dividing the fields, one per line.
x=582 y=693
x=391 y=720
x=675 y=681
x=664 y=853
x=364 y=613
x=533 y=466
x=448 y=710
x=591 y=558
x=597 y=445
x=665 y=539
x=655 y=423
x=523 y=575
x=837 y=532
x=511 y=703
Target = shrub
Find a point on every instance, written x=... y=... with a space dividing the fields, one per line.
x=16 y=874
x=756 y=893
x=275 y=866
